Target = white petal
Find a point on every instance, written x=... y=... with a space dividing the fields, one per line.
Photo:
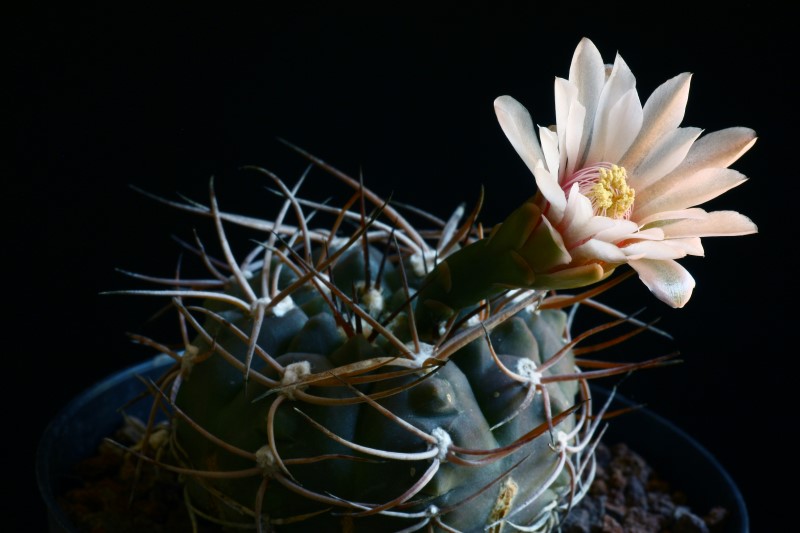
x=667 y=280
x=620 y=81
x=693 y=213
x=650 y=234
x=622 y=229
x=598 y=226
x=563 y=258
x=516 y=123
x=574 y=139
x=619 y=103
x=569 y=124
x=670 y=194
x=594 y=249
x=691 y=245
x=587 y=70
x=664 y=157
x=577 y=213
x=579 y=222
x=663 y=112
x=718 y=149
x=588 y=73
x=550 y=150
x=623 y=124
x=658 y=250
x=550 y=189
x=716 y=224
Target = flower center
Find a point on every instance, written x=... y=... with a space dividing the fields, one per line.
x=606 y=186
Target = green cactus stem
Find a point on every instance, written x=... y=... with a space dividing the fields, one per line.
x=522 y=252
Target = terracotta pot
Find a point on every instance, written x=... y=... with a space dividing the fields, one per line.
x=76 y=432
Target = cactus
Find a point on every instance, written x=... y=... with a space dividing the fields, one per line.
x=379 y=380
x=368 y=374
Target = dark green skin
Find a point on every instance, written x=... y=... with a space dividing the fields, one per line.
x=520 y=253
x=465 y=397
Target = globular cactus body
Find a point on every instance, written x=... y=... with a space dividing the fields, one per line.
x=373 y=382
x=461 y=401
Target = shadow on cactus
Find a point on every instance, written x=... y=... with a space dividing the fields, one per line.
x=337 y=378
x=357 y=371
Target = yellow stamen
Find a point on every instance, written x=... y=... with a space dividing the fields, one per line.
x=610 y=194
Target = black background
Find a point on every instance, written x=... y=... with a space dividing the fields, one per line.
x=163 y=99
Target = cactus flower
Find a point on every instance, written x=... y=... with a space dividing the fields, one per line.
x=621 y=182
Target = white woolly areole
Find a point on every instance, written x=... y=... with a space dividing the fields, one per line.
x=421 y=263
x=292 y=374
x=159 y=438
x=527 y=369
x=189 y=358
x=474 y=320
x=266 y=461
x=279 y=309
x=371 y=299
x=425 y=352
x=443 y=443
x=562 y=441
x=471 y=322
x=321 y=284
x=282 y=307
x=532 y=308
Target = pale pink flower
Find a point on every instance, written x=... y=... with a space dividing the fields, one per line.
x=620 y=181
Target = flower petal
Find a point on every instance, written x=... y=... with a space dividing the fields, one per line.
x=547 y=178
x=664 y=157
x=663 y=112
x=716 y=224
x=587 y=72
x=652 y=234
x=658 y=250
x=595 y=249
x=671 y=194
x=667 y=280
x=694 y=213
x=624 y=122
x=717 y=149
x=620 y=230
x=579 y=222
x=570 y=116
x=550 y=151
x=576 y=214
x=691 y=245
x=516 y=123
x=618 y=117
